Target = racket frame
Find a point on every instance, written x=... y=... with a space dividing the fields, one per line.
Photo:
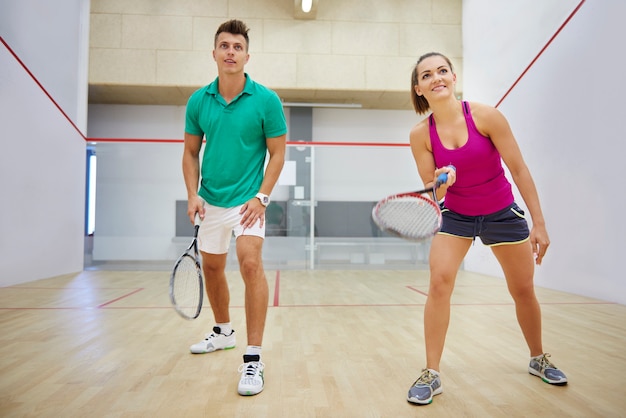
x=417 y=194
x=191 y=252
x=384 y=226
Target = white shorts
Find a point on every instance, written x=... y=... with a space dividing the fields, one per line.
x=219 y=225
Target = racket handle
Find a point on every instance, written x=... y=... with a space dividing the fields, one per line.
x=197 y=220
x=443 y=177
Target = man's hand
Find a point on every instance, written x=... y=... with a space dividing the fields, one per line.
x=252 y=211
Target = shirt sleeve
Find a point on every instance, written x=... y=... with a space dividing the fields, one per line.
x=192 y=125
x=275 y=123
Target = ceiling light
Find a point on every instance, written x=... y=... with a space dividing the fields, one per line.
x=305 y=9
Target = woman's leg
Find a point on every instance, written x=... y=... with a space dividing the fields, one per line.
x=446 y=254
x=519 y=268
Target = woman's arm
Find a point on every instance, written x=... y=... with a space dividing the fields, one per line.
x=422 y=154
x=492 y=123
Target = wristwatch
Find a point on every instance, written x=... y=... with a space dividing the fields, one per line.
x=265 y=199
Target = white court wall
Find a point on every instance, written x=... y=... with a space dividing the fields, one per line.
x=42 y=155
x=566 y=113
x=52 y=39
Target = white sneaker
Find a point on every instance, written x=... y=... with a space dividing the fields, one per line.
x=251 y=370
x=214 y=341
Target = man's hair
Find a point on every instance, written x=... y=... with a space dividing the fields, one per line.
x=234 y=26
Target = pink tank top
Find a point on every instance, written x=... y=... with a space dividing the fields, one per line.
x=481 y=187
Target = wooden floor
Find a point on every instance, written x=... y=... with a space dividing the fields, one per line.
x=337 y=344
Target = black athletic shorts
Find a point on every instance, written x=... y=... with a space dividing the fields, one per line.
x=507 y=226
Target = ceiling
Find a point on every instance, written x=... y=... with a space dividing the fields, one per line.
x=178 y=95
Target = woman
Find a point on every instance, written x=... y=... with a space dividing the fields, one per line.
x=469 y=141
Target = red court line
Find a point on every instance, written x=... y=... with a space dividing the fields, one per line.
x=295 y=143
x=315 y=306
x=541 y=52
x=277 y=289
x=129 y=140
x=382 y=305
x=417 y=290
x=511 y=303
x=79 y=308
x=41 y=86
x=348 y=144
x=18 y=287
x=120 y=298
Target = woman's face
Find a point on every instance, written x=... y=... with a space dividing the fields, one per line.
x=434 y=78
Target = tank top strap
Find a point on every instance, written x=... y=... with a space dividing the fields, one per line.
x=466 y=110
x=469 y=120
x=435 y=142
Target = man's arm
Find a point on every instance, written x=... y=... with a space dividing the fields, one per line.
x=191 y=174
x=253 y=209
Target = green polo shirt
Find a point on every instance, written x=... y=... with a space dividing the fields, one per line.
x=234 y=154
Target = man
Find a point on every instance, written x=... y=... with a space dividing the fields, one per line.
x=242 y=122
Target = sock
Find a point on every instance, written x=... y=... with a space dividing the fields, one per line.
x=225 y=328
x=433 y=371
x=253 y=350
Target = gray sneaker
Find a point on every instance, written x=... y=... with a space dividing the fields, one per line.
x=425 y=387
x=214 y=341
x=548 y=372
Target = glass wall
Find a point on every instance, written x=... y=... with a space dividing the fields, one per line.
x=319 y=216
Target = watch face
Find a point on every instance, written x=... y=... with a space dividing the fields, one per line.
x=265 y=200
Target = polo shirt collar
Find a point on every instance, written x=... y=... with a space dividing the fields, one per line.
x=248 y=88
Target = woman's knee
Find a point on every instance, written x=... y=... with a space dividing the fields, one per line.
x=522 y=291
x=441 y=286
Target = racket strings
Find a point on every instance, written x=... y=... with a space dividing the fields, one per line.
x=409 y=216
x=186 y=292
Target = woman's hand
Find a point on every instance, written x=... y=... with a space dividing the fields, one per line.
x=540 y=242
x=450 y=170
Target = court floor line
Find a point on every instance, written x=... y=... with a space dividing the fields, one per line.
x=417 y=290
x=277 y=289
x=105 y=307
x=119 y=298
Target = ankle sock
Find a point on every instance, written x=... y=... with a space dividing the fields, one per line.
x=253 y=350
x=225 y=328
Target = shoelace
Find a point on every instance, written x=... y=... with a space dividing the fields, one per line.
x=252 y=368
x=426 y=378
x=544 y=363
x=214 y=335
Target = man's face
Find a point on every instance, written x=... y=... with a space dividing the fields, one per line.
x=230 y=53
